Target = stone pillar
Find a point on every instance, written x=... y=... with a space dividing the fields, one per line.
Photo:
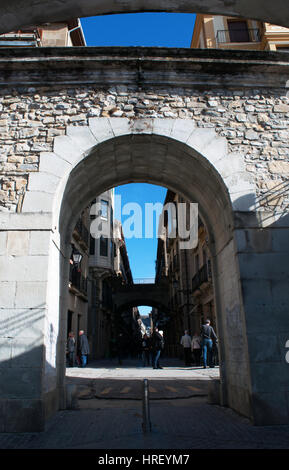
x=231 y=327
x=263 y=253
x=28 y=326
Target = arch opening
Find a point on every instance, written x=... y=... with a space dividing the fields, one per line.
x=168 y=162
x=17 y=14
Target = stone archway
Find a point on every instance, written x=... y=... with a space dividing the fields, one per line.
x=111 y=151
x=18 y=13
x=146 y=301
x=87 y=160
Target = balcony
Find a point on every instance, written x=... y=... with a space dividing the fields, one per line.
x=81 y=233
x=22 y=39
x=202 y=277
x=78 y=281
x=227 y=36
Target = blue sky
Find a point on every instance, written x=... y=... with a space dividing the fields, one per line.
x=142 y=251
x=150 y=30
x=139 y=29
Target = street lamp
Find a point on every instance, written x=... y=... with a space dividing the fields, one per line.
x=76 y=256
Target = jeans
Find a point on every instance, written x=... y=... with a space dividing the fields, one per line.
x=207 y=345
x=156 y=359
x=83 y=360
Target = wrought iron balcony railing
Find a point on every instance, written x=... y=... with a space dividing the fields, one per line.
x=82 y=231
x=202 y=276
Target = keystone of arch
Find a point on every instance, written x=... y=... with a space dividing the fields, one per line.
x=79 y=141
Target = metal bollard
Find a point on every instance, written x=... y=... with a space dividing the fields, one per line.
x=146 y=425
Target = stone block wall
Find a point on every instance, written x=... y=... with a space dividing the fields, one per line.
x=254 y=122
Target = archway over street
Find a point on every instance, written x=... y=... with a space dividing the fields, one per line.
x=175 y=155
x=18 y=13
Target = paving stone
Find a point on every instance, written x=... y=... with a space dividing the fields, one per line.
x=184 y=423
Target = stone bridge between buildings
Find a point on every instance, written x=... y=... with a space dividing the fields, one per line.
x=154 y=295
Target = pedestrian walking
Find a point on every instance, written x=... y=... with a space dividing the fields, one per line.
x=83 y=348
x=186 y=342
x=145 y=350
x=208 y=335
x=196 y=349
x=157 y=346
x=70 y=345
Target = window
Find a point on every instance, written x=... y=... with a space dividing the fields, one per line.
x=103 y=245
x=238 y=31
x=92 y=246
x=104 y=209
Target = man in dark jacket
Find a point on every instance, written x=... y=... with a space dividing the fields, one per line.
x=208 y=335
x=83 y=348
x=157 y=343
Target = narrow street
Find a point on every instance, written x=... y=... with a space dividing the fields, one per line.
x=106 y=379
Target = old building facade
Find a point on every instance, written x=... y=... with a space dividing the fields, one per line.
x=101 y=269
x=227 y=32
x=78 y=277
x=189 y=274
x=61 y=34
x=109 y=267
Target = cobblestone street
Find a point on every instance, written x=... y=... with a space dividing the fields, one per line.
x=181 y=419
x=179 y=424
